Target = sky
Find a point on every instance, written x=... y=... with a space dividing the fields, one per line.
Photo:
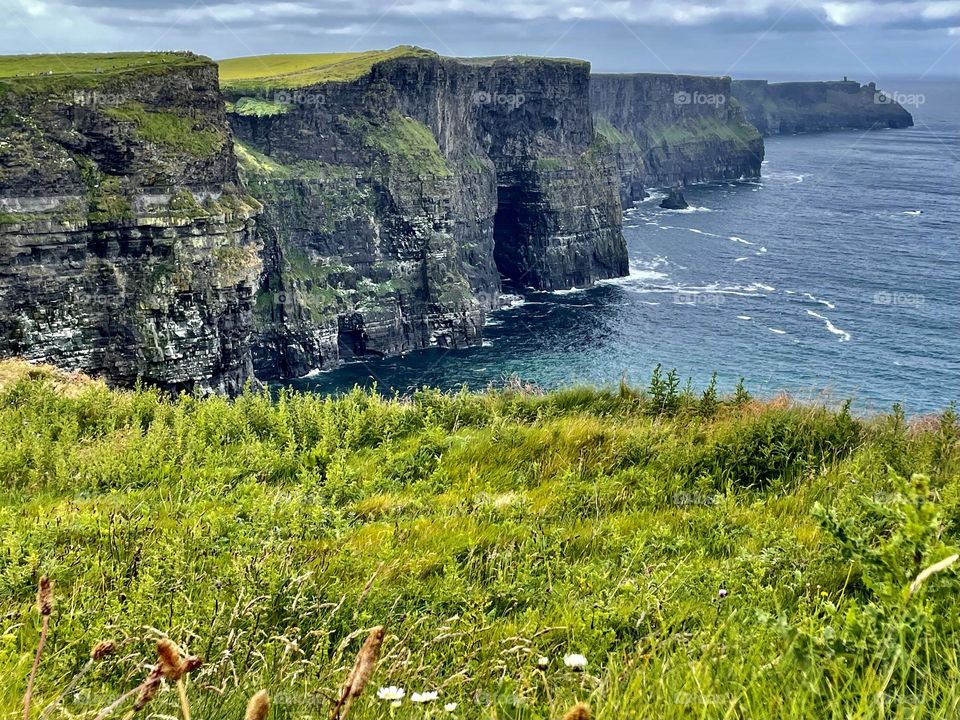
x=803 y=39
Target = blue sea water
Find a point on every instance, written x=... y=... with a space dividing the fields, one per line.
x=837 y=274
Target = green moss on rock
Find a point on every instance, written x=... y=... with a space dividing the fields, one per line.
x=169 y=129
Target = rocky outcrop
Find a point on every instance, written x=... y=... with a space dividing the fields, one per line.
x=674 y=200
x=671 y=129
x=126 y=247
x=804 y=107
x=396 y=200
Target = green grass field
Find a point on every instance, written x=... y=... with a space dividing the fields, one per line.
x=65 y=71
x=300 y=70
x=709 y=557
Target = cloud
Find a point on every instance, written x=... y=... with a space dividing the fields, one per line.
x=642 y=34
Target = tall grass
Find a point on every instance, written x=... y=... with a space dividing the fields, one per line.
x=486 y=532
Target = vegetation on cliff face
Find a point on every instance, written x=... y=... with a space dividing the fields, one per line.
x=294 y=71
x=169 y=129
x=706 y=556
x=703 y=129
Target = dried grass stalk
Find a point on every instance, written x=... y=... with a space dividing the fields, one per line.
x=360 y=674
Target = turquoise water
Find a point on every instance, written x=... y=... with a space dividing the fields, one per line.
x=837 y=273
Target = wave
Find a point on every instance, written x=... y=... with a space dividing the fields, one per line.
x=810 y=297
x=912 y=212
x=741 y=259
x=689 y=210
x=778 y=331
x=744 y=317
x=740 y=240
x=844 y=335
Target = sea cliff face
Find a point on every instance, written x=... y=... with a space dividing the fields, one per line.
x=396 y=200
x=804 y=107
x=126 y=247
x=674 y=129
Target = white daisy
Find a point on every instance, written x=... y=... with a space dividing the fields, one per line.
x=423 y=697
x=575 y=661
x=543 y=661
x=450 y=707
x=391 y=693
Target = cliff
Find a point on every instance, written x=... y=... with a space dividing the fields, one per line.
x=671 y=129
x=803 y=107
x=126 y=247
x=400 y=185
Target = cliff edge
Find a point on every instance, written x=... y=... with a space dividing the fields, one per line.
x=127 y=249
x=400 y=186
x=805 y=107
x=674 y=129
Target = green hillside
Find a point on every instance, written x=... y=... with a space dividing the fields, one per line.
x=299 y=70
x=708 y=557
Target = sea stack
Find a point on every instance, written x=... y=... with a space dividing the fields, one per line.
x=675 y=200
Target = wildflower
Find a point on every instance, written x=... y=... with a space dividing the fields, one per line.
x=450 y=707
x=575 y=661
x=258 y=707
x=543 y=661
x=391 y=692
x=423 y=697
x=722 y=593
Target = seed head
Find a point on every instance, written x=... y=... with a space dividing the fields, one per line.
x=149 y=688
x=45 y=596
x=258 y=707
x=366 y=659
x=102 y=649
x=580 y=711
x=171 y=664
x=169 y=657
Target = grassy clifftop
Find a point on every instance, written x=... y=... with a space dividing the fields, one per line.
x=707 y=557
x=85 y=70
x=299 y=70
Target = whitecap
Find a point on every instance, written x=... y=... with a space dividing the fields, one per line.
x=912 y=212
x=741 y=259
x=818 y=300
x=744 y=317
x=740 y=240
x=844 y=335
x=778 y=331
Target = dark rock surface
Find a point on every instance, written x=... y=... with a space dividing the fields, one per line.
x=675 y=200
x=671 y=129
x=126 y=249
x=805 y=107
x=395 y=202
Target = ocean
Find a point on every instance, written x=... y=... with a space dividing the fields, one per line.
x=835 y=276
